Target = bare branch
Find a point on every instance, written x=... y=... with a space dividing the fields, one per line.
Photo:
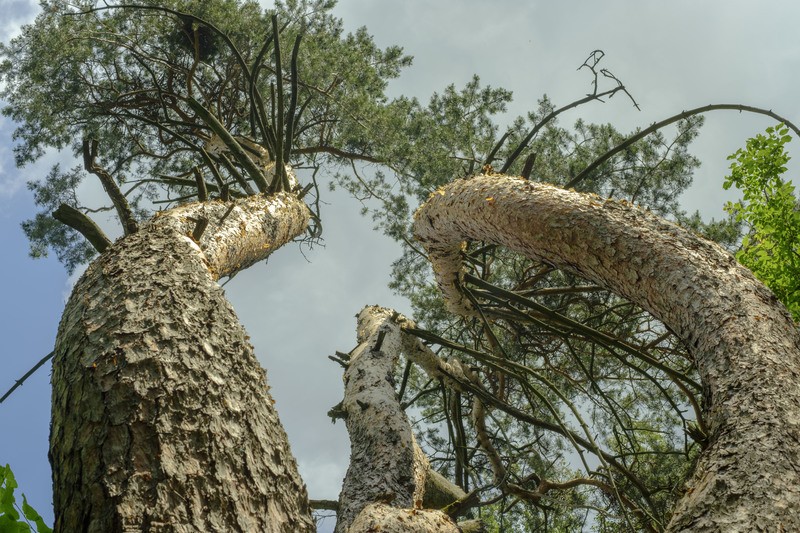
x=527 y=168
x=202 y=191
x=595 y=58
x=337 y=152
x=77 y=220
x=666 y=122
x=324 y=505
x=124 y=211
x=290 y=115
x=18 y=383
x=281 y=180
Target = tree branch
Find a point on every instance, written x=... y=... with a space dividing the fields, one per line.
x=287 y=143
x=454 y=377
x=666 y=122
x=281 y=181
x=18 y=383
x=124 y=212
x=542 y=123
x=604 y=339
x=235 y=148
x=324 y=505
x=595 y=58
x=75 y=219
x=337 y=153
x=202 y=191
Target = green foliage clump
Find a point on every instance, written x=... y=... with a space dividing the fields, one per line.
x=770 y=211
x=10 y=519
x=45 y=232
x=152 y=84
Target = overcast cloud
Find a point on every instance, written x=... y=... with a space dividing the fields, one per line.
x=300 y=307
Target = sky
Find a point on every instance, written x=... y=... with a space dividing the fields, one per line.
x=300 y=306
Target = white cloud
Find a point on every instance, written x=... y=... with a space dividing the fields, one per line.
x=15 y=14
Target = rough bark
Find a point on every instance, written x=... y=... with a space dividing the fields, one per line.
x=162 y=418
x=384 y=488
x=744 y=343
x=383 y=518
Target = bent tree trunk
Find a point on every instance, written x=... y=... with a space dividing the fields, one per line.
x=162 y=418
x=743 y=341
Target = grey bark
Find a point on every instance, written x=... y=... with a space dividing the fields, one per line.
x=162 y=417
x=743 y=341
x=384 y=488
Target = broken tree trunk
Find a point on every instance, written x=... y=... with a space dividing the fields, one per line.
x=388 y=477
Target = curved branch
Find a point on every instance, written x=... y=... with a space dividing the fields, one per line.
x=77 y=220
x=553 y=114
x=666 y=122
x=260 y=225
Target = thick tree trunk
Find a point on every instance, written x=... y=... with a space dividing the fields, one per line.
x=385 y=486
x=745 y=345
x=162 y=418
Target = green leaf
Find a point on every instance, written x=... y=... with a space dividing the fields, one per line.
x=31 y=514
x=9 y=525
x=9 y=516
x=769 y=210
x=7 y=486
